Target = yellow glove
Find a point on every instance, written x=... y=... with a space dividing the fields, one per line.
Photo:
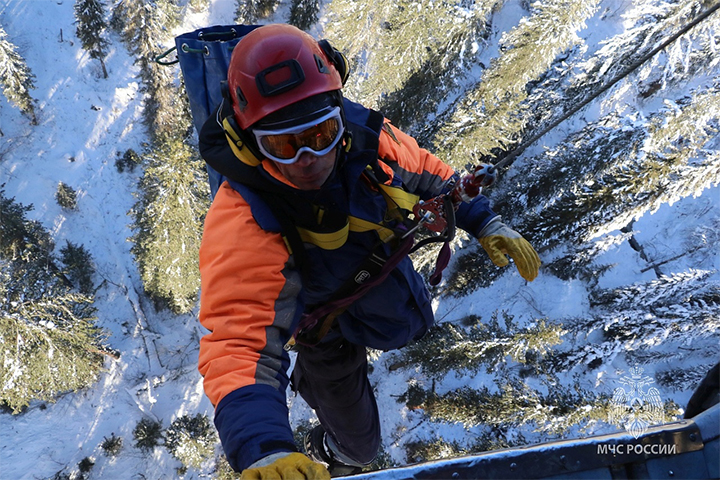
x=293 y=466
x=499 y=240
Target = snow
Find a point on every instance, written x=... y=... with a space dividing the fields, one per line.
x=86 y=121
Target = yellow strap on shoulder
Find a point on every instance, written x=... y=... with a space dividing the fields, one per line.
x=336 y=239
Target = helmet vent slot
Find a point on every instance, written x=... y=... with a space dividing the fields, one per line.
x=322 y=68
x=279 y=78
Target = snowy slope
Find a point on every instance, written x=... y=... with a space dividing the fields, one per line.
x=85 y=122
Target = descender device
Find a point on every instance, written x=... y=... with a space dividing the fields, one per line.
x=433 y=214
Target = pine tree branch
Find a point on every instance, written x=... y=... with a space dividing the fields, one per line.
x=668 y=260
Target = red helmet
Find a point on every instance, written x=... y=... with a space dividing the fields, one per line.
x=275 y=66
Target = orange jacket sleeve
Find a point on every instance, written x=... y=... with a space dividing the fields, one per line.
x=421 y=172
x=248 y=299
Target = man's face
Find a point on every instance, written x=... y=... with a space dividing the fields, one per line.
x=310 y=171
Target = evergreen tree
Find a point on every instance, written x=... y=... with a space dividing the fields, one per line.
x=407 y=57
x=147 y=434
x=513 y=404
x=173 y=188
x=20 y=238
x=437 y=448
x=634 y=318
x=652 y=23
x=51 y=344
x=48 y=337
x=628 y=168
x=608 y=173
x=128 y=160
x=79 y=268
x=91 y=26
x=304 y=13
x=168 y=224
x=191 y=440
x=492 y=115
x=250 y=11
x=112 y=446
x=451 y=347
x=146 y=27
x=16 y=78
x=66 y=196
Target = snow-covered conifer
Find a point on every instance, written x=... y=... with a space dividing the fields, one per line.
x=191 y=439
x=146 y=31
x=167 y=223
x=491 y=116
x=481 y=344
x=173 y=188
x=652 y=23
x=511 y=402
x=49 y=343
x=147 y=434
x=16 y=78
x=304 y=13
x=66 y=196
x=91 y=26
x=408 y=57
x=250 y=11
x=636 y=320
x=78 y=266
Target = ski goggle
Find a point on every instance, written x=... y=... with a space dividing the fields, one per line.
x=318 y=136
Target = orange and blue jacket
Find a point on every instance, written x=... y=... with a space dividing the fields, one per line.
x=253 y=294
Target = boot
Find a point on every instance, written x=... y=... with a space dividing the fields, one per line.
x=317 y=449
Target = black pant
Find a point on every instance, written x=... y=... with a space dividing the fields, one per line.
x=332 y=378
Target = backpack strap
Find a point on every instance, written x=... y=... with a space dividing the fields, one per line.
x=266 y=207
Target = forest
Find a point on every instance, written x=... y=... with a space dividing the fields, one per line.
x=103 y=194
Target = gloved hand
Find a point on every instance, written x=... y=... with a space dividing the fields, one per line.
x=499 y=240
x=291 y=466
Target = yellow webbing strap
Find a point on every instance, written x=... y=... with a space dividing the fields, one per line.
x=326 y=241
x=400 y=197
x=395 y=198
x=336 y=239
x=287 y=244
x=360 y=225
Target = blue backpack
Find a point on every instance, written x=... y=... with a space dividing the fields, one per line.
x=204 y=57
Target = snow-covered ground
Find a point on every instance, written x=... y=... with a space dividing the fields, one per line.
x=84 y=123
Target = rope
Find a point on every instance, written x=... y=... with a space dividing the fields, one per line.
x=209 y=37
x=624 y=73
x=160 y=58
